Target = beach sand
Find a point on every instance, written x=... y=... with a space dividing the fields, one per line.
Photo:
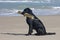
x=14 y=28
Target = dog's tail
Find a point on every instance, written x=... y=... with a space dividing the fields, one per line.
x=50 y=33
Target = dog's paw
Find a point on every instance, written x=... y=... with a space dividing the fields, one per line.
x=27 y=34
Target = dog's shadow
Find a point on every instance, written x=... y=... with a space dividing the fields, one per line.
x=16 y=34
x=20 y=34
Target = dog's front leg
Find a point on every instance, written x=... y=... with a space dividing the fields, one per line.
x=30 y=30
x=30 y=27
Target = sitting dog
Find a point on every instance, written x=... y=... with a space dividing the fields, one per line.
x=33 y=22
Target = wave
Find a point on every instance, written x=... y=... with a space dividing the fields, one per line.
x=13 y=12
x=21 y=1
x=56 y=7
x=9 y=12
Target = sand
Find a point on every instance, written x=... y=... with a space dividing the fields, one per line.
x=14 y=28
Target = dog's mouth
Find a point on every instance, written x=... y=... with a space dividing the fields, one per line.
x=26 y=15
x=19 y=12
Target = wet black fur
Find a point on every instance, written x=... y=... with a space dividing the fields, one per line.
x=35 y=24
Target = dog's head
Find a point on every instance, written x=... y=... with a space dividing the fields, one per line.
x=27 y=10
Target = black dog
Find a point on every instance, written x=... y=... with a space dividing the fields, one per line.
x=35 y=23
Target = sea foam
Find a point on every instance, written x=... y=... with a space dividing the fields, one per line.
x=21 y=1
x=13 y=12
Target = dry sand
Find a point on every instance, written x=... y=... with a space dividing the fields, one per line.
x=14 y=28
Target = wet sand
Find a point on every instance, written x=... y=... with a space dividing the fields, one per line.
x=14 y=28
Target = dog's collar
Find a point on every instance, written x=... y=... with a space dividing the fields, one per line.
x=29 y=15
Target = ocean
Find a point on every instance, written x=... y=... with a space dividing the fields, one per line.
x=10 y=8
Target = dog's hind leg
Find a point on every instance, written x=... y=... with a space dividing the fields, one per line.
x=40 y=32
